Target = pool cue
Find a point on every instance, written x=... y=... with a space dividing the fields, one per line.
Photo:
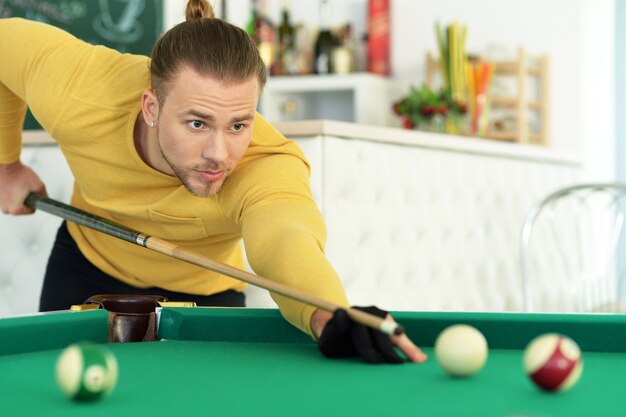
x=81 y=217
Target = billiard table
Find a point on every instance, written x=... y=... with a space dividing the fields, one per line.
x=250 y=362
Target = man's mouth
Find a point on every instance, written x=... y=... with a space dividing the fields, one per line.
x=212 y=175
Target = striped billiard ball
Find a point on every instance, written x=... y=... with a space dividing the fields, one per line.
x=86 y=372
x=553 y=362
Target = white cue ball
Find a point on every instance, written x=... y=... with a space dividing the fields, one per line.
x=461 y=350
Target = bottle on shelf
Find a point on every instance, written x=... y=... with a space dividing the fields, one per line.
x=325 y=42
x=304 y=55
x=224 y=10
x=378 y=42
x=360 y=53
x=343 y=53
x=252 y=21
x=287 y=54
x=263 y=32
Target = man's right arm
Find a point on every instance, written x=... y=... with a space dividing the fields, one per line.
x=15 y=178
x=37 y=68
x=12 y=112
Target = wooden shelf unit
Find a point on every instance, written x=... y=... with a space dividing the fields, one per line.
x=520 y=70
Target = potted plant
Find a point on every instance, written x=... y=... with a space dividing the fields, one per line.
x=425 y=109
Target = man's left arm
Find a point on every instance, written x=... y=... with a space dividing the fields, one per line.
x=285 y=234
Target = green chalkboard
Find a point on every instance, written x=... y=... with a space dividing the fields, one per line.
x=126 y=25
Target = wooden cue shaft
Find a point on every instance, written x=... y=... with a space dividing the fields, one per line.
x=119 y=231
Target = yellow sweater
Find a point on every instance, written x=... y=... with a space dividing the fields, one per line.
x=88 y=98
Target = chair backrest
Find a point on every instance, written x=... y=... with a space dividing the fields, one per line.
x=571 y=247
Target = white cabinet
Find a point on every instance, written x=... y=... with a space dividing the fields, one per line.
x=424 y=221
x=360 y=98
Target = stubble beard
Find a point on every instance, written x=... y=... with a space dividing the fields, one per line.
x=206 y=188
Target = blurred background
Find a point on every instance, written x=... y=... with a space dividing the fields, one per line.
x=583 y=40
x=433 y=128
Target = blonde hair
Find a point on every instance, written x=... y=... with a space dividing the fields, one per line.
x=207 y=44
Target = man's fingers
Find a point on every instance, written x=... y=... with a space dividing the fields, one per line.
x=17 y=209
x=385 y=347
x=412 y=352
x=406 y=345
x=341 y=337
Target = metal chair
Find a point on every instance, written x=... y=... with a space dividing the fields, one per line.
x=572 y=250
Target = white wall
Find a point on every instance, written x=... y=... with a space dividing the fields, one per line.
x=578 y=35
x=597 y=99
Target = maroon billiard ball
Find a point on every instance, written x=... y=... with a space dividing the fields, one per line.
x=553 y=362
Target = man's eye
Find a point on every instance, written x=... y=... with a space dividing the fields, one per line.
x=196 y=124
x=238 y=127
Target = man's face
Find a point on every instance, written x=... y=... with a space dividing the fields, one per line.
x=205 y=127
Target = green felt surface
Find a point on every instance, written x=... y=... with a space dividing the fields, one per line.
x=248 y=362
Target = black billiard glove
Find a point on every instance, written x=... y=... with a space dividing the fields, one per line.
x=344 y=338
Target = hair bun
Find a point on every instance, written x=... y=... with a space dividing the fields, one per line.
x=199 y=9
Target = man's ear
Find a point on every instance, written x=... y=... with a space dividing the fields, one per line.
x=150 y=107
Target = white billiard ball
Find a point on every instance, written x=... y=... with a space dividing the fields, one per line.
x=461 y=350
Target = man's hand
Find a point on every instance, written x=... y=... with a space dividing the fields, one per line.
x=340 y=337
x=16 y=181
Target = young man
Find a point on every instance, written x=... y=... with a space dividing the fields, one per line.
x=172 y=147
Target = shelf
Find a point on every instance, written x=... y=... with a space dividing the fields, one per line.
x=359 y=97
x=513 y=102
x=511 y=68
x=511 y=137
x=520 y=69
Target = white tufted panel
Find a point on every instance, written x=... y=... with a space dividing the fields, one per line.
x=414 y=228
x=25 y=241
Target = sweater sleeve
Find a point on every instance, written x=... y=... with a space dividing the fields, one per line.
x=39 y=65
x=284 y=233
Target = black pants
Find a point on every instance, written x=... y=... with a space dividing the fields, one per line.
x=71 y=279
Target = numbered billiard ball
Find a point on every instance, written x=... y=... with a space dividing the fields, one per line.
x=553 y=362
x=461 y=350
x=86 y=372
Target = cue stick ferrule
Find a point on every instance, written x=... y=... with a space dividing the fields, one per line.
x=388 y=327
x=142 y=240
x=383 y=325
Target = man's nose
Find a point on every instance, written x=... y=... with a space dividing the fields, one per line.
x=215 y=148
